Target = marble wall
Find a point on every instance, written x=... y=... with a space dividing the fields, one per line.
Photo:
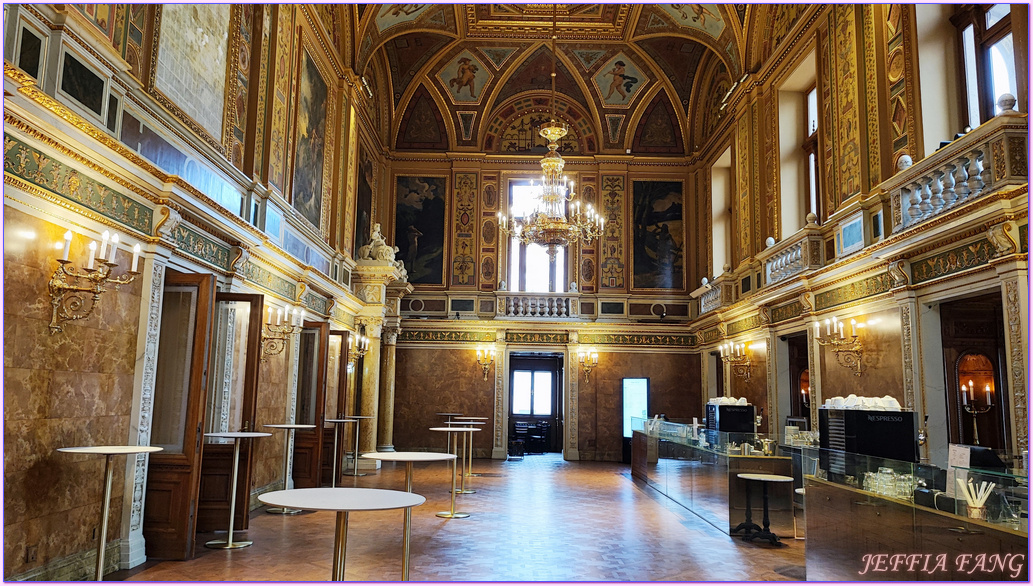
x=674 y=389
x=73 y=388
x=271 y=408
x=882 y=364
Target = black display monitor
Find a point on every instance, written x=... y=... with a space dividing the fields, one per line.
x=985 y=458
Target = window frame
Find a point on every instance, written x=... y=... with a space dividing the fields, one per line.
x=811 y=148
x=984 y=38
x=517 y=280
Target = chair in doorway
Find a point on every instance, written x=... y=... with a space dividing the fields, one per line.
x=538 y=435
x=519 y=441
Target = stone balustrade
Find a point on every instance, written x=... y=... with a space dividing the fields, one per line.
x=536 y=305
x=800 y=252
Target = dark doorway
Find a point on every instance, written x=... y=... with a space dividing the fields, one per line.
x=973 y=356
x=536 y=402
x=799 y=381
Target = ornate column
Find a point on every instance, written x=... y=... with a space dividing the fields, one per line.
x=1012 y=267
x=386 y=421
x=369 y=396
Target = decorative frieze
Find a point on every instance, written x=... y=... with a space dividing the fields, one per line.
x=952 y=261
x=444 y=336
x=869 y=287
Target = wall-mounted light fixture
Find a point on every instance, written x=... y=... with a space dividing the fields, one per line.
x=485 y=358
x=970 y=401
x=848 y=349
x=738 y=357
x=588 y=359
x=357 y=349
x=74 y=292
x=275 y=333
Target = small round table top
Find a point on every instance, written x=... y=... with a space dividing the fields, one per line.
x=454 y=429
x=409 y=456
x=111 y=450
x=461 y=423
x=359 y=416
x=238 y=434
x=474 y=418
x=448 y=414
x=341 y=420
x=290 y=425
x=342 y=499
x=765 y=477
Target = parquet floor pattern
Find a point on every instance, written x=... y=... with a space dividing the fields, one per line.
x=536 y=519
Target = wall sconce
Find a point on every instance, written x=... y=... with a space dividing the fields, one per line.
x=588 y=360
x=972 y=404
x=74 y=292
x=805 y=395
x=274 y=334
x=738 y=357
x=848 y=350
x=485 y=358
x=357 y=349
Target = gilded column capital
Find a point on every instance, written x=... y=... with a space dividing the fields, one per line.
x=372 y=325
x=389 y=334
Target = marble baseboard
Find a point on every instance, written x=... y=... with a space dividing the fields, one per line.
x=76 y=567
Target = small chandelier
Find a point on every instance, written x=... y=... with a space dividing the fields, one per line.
x=548 y=225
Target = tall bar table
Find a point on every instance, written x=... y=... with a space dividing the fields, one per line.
x=408 y=458
x=287 y=445
x=467 y=452
x=451 y=513
x=358 y=425
x=475 y=421
x=109 y=452
x=236 y=436
x=342 y=501
x=333 y=478
x=448 y=446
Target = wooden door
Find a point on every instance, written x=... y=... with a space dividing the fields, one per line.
x=230 y=406
x=310 y=403
x=336 y=402
x=179 y=391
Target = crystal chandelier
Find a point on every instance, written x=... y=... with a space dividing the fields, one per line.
x=548 y=225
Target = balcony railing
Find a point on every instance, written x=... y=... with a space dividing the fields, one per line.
x=980 y=162
x=800 y=252
x=536 y=305
x=721 y=293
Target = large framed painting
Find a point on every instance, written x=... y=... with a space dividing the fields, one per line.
x=420 y=212
x=364 y=199
x=314 y=110
x=658 y=235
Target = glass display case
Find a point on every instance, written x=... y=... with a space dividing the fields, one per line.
x=996 y=496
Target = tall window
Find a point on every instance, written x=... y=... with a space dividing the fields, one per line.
x=798 y=121
x=530 y=268
x=988 y=53
x=532 y=393
x=810 y=146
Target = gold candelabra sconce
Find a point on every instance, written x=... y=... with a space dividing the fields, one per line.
x=75 y=292
x=276 y=332
x=848 y=350
x=971 y=403
x=737 y=356
x=587 y=359
x=485 y=358
x=356 y=349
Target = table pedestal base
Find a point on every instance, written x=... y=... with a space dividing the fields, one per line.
x=340 y=546
x=223 y=544
x=282 y=511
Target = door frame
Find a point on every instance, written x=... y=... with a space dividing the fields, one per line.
x=559 y=394
x=308 y=443
x=342 y=400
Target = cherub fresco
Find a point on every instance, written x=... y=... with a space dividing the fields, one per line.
x=465 y=77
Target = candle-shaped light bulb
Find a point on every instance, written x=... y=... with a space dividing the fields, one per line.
x=828 y=326
x=279 y=316
x=842 y=334
x=971 y=386
x=68 y=245
x=93 y=252
x=964 y=395
x=817 y=330
x=114 y=248
x=302 y=320
x=989 y=396
x=478 y=355
x=853 y=328
x=136 y=256
x=269 y=318
x=104 y=238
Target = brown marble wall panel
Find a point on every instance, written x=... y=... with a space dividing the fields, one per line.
x=271 y=408
x=72 y=388
x=756 y=389
x=429 y=381
x=674 y=389
x=882 y=370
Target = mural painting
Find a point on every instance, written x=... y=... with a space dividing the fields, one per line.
x=702 y=17
x=395 y=14
x=658 y=237
x=364 y=201
x=308 y=159
x=619 y=81
x=464 y=77
x=420 y=227
x=521 y=136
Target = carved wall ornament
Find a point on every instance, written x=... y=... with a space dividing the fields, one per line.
x=241 y=256
x=373 y=325
x=1001 y=241
x=150 y=369
x=907 y=341
x=764 y=312
x=377 y=248
x=370 y=293
x=900 y=273
x=1018 y=366
x=807 y=301
x=169 y=221
x=390 y=335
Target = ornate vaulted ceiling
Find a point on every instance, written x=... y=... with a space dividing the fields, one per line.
x=474 y=76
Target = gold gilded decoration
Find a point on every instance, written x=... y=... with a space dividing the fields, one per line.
x=612 y=266
x=952 y=261
x=638 y=339
x=1000 y=163
x=847 y=100
x=1018 y=366
x=463 y=241
x=201 y=247
x=708 y=336
x=316 y=303
x=1017 y=150
x=260 y=276
x=857 y=290
x=909 y=373
x=786 y=312
x=444 y=336
x=33 y=166
x=742 y=325
x=537 y=337
x=74 y=293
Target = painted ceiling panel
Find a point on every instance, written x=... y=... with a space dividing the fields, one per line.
x=407 y=54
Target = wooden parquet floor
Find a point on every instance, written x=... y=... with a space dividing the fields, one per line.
x=536 y=519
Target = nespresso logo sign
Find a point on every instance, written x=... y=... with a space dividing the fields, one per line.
x=893 y=418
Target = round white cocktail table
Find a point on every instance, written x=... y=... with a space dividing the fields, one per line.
x=236 y=436
x=471 y=420
x=333 y=478
x=451 y=513
x=287 y=444
x=358 y=424
x=342 y=501
x=408 y=458
x=468 y=427
x=448 y=446
x=110 y=452
x=749 y=526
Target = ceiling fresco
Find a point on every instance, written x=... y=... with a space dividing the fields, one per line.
x=627 y=70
